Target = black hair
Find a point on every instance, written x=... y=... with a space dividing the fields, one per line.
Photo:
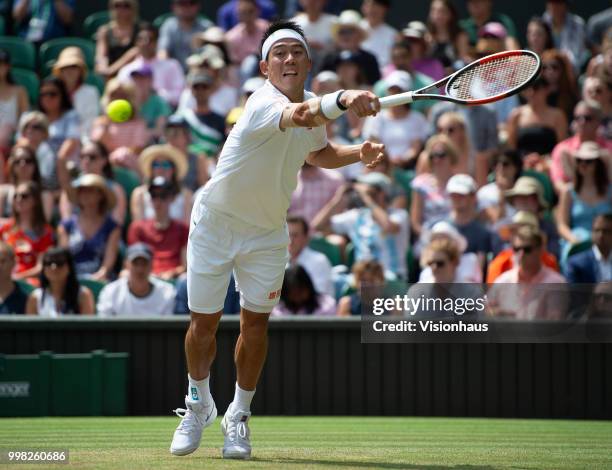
x=606 y=217
x=149 y=27
x=65 y=101
x=5 y=56
x=296 y=219
x=36 y=178
x=542 y=24
x=72 y=287
x=600 y=176
x=107 y=171
x=539 y=83
x=514 y=157
x=281 y=24
x=297 y=277
x=385 y=3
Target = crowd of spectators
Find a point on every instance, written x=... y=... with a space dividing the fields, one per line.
x=94 y=214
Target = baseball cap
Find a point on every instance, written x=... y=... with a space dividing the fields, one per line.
x=327 y=76
x=176 y=120
x=588 y=151
x=493 y=30
x=400 y=79
x=144 y=70
x=139 y=250
x=415 y=30
x=253 y=84
x=376 y=178
x=197 y=78
x=461 y=184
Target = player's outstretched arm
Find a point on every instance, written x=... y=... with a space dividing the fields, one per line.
x=336 y=156
x=318 y=111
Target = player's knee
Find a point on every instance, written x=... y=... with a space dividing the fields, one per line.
x=204 y=326
x=254 y=327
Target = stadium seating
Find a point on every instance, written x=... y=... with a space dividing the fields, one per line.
x=95 y=80
x=29 y=80
x=328 y=249
x=93 y=22
x=129 y=181
x=25 y=286
x=549 y=193
x=95 y=286
x=2 y=26
x=579 y=247
x=22 y=52
x=50 y=50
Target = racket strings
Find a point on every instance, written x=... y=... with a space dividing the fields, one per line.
x=493 y=77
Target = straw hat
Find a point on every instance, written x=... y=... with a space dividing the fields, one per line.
x=349 y=18
x=588 y=151
x=527 y=186
x=90 y=180
x=163 y=152
x=68 y=57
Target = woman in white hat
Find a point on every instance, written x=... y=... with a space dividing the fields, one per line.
x=171 y=163
x=91 y=235
x=589 y=195
x=70 y=67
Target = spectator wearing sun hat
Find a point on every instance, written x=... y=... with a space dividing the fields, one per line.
x=348 y=34
x=528 y=194
x=71 y=68
x=169 y=162
x=469 y=267
x=91 y=235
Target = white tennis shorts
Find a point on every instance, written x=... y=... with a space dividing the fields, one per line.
x=219 y=243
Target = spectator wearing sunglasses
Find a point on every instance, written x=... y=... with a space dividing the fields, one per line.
x=60 y=292
x=171 y=163
x=166 y=237
x=589 y=196
x=22 y=168
x=116 y=40
x=587 y=120
x=557 y=71
x=38 y=22
x=27 y=231
x=530 y=290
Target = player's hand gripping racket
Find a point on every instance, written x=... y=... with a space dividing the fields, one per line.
x=485 y=80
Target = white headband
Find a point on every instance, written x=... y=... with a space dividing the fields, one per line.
x=277 y=36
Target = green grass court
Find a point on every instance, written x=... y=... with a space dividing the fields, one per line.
x=324 y=443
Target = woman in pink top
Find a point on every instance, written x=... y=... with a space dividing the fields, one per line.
x=124 y=140
x=244 y=39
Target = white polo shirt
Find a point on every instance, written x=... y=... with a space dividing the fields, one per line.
x=258 y=166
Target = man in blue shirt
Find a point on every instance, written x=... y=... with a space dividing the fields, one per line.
x=41 y=20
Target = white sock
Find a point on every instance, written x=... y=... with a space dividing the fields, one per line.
x=199 y=389
x=242 y=399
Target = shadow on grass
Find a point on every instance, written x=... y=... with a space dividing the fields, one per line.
x=366 y=464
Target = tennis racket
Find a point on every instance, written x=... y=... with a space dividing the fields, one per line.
x=485 y=80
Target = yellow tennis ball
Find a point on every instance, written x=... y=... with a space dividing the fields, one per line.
x=119 y=110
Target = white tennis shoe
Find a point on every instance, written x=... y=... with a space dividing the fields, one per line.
x=196 y=418
x=235 y=427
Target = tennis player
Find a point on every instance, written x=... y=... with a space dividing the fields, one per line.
x=238 y=222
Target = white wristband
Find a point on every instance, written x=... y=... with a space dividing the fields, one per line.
x=329 y=105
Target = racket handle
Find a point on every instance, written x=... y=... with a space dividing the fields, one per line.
x=396 y=100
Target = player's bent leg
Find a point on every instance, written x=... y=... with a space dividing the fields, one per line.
x=250 y=355
x=200 y=411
